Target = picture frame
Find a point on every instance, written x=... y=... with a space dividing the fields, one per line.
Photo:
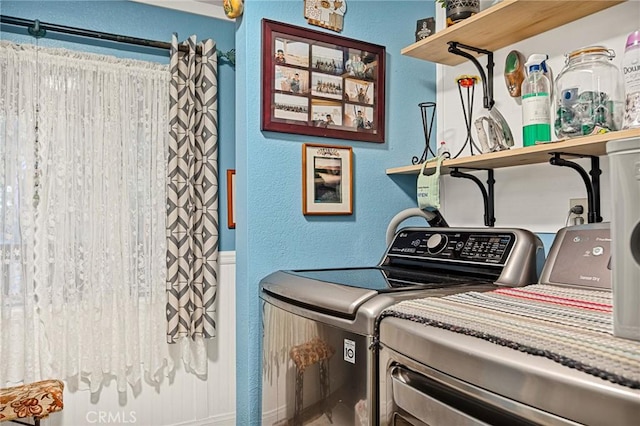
x=425 y=28
x=326 y=14
x=320 y=84
x=327 y=180
x=231 y=198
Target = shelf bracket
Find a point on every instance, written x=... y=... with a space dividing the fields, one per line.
x=591 y=181
x=487 y=78
x=487 y=193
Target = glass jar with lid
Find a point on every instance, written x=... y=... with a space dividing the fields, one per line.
x=588 y=94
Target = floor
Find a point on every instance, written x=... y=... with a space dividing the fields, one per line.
x=340 y=416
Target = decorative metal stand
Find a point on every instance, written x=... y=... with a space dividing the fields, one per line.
x=428 y=112
x=468 y=83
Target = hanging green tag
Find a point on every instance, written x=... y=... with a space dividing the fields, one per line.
x=428 y=187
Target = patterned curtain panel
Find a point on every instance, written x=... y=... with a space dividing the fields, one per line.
x=192 y=199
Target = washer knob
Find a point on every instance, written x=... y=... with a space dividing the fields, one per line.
x=436 y=243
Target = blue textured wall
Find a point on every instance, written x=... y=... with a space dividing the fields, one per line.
x=272 y=232
x=142 y=21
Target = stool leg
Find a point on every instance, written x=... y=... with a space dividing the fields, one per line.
x=325 y=389
x=297 y=416
x=36 y=422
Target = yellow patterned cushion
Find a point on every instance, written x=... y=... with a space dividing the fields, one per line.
x=311 y=352
x=38 y=399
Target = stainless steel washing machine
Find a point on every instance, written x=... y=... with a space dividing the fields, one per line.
x=319 y=353
x=542 y=354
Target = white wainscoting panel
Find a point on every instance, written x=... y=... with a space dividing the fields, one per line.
x=183 y=400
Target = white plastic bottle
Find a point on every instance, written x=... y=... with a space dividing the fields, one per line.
x=443 y=150
x=631 y=75
x=536 y=102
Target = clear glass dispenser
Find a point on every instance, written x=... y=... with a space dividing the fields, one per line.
x=588 y=94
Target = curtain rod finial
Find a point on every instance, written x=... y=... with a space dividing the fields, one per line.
x=36 y=30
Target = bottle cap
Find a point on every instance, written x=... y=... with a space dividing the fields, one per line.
x=633 y=39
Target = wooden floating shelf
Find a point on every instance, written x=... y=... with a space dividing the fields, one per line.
x=503 y=24
x=585 y=145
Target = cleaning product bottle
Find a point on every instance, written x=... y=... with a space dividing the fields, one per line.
x=536 y=102
x=631 y=73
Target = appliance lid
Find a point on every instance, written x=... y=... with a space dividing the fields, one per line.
x=342 y=291
x=385 y=279
x=365 y=278
x=320 y=295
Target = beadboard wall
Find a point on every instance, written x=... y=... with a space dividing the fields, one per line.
x=183 y=400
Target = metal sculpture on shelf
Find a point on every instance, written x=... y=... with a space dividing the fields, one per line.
x=428 y=112
x=468 y=83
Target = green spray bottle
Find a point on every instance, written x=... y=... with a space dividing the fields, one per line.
x=536 y=102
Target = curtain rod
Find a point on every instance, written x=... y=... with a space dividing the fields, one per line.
x=38 y=29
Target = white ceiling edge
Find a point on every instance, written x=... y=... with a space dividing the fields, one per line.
x=211 y=8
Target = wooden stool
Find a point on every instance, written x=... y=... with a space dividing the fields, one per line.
x=303 y=356
x=37 y=400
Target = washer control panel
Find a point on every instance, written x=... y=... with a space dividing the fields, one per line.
x=477 y=246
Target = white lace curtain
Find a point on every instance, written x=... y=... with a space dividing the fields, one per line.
x=83 y=273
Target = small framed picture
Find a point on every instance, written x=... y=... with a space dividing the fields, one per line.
x=425 y=28
x=326 y=14
x=327 y=180
x=231 y=199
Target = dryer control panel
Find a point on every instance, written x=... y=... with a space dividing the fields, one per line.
x=580 y=256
